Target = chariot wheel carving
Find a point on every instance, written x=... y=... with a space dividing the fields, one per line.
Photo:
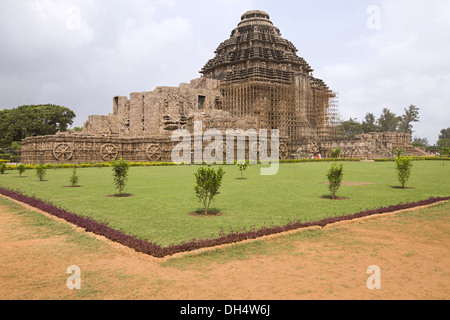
x=254 y=150
x=283 y=151
x=154 y=152
x=63 y=151
x=109 y=152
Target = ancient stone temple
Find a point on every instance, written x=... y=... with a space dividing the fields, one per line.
x=256 y=80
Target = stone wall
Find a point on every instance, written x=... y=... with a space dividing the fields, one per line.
x=371 y=146
x=82 y=148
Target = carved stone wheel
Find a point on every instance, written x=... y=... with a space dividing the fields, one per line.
x=63 y=151
x=154 y=152
x=218 y=156
x=109 y=152
x=254 y=150
x=283 y=151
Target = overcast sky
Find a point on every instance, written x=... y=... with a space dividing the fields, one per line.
x=82 y=53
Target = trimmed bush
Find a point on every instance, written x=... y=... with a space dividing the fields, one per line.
x=74 y=178
x=399 y=151
x=120 y=174
x=335 y=153
x=403 y=167
x=208 y=182
x=21 y=168
x=2 y=167
x=41 y=171
x=335 y=175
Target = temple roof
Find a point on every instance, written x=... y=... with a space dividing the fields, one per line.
x=256 y=39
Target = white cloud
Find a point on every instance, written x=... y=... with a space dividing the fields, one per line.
x=81 y=53
x=406 y=62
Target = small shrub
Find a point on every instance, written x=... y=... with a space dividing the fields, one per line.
x=403 y=167
x=335 y=175
x=2 y=167
x=21 y=168
x=74 y=178
x=399 y=152
x=208 y=182
x=120 y=173
x=41 y=171
x=242 y=165
x=335 y=153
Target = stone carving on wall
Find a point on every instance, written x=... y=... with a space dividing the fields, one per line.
x=283 y=151
x=154 y=152
x=109 y=152
x=63 y=151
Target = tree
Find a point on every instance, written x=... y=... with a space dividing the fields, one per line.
x=445 y=134
x=335 y=153
x=403 y=167
x=434 y=149
x=405 y=123
x=2 y=167
x=350 y=128
x=399 y=151
x=33 y=120
x=41 y=171
x=21 y=168
x=242 y=165
x=388 y=121
x=445 y=151
x=74 y=178
x=444 y=143
x=444 y=138
x=369 y=123
x=420 y=142
x=120 y=174
x=208 y=182
x=335 y=175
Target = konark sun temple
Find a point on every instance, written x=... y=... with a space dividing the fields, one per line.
x=255 y=81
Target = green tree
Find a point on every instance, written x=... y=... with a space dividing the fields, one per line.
x=335 y=175
x=444 y=143
x=350 y=128
x=434 y=149
x=444 y=138
x=399 y=151
x=445 y=151
x=242 y=165
x=41 y=171
x=445 y=134
x=403 y=167
x=2 y=167
x=388 y=121
x=411 y=115
x=33 y=120
x=420 y=142
x=21 y=169
x=369 y=123
x=74 y=178
x=335 y=153
x=120 y=174
x=207 y=185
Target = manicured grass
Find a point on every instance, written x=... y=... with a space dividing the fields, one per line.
x=163 y=197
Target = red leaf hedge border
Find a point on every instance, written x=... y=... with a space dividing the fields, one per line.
x=157 y=251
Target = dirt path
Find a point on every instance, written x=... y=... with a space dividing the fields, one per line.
x=411 y=249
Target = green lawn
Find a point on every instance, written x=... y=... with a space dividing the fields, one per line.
x=163 y=197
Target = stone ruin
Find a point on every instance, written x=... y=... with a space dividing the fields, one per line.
x=255 y=81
